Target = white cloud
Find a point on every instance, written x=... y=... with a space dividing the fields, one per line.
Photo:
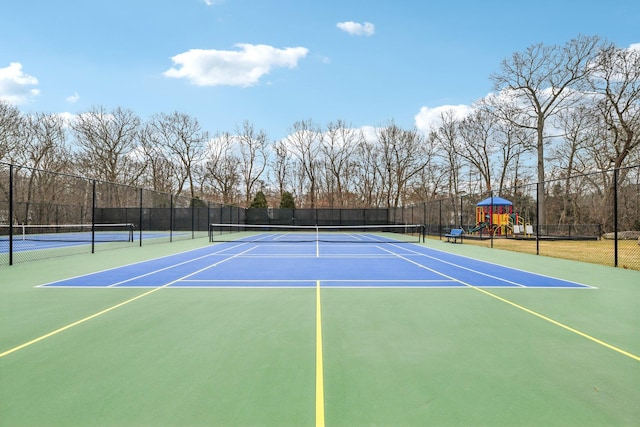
x=243 y=68
x=212 y=2
x=73 y=98
x=357 y=29
x=634 y=46
x=15 y=85
x=428 y=118
x=370 y=133
x=67 y=118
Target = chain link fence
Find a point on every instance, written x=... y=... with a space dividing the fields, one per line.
x=592 y=218
x=45 y=214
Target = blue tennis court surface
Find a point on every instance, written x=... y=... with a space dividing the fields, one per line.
x=304 y=265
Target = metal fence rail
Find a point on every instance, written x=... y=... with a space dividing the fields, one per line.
x=32 y=197
x=593 y=217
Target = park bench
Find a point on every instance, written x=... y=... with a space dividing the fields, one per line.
x=455 y=234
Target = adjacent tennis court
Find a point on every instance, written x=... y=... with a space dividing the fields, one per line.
x=318 y=327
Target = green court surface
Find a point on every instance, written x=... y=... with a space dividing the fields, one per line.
x=311 y=356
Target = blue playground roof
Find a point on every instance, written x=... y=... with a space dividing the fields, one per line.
x=497 y=201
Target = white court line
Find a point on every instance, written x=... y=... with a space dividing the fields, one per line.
x=422 y=266
x=137 y=263
x=324 y=255
x=107 y=310
x=314 y=281
x=500 y=265
x=178 y=265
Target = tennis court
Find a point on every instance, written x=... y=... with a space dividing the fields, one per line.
x=37 y=241
x=359 y=327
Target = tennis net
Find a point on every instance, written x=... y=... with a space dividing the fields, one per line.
x=68 y=232
x=259 y=233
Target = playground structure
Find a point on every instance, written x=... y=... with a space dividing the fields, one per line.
x=495 y=216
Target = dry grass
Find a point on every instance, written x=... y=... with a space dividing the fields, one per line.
x=593 y=251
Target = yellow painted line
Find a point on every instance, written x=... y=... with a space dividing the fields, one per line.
x=107 y=310
x=319 y=366
x=78 y=322
x=555 y=322
x=535 y=313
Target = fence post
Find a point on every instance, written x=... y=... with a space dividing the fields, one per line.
x=93 y=217
x=440 y=219
x=140 y=218
x=171 y=218
x=11 y=214
x=615 y=217
x=538 y=218
x=492 y=232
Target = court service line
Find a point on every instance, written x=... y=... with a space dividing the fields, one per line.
x=319 y=362
x=140 y=263
x=486 y=274
x=539 y=315
x=169 y=267
x=107 y=310
x=501 y=279
x=418 y=264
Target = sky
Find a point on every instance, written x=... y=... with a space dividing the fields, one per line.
x=277 y=62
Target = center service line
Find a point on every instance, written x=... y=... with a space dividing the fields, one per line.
x=319 y=365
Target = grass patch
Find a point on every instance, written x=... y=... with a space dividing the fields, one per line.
x=592 y=251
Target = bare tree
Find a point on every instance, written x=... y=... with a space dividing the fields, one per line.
x=429 y=183
x=401 y=160
x=543 y=80
x=479 y=145
x=10 y=124
x=616 y=78
x=107 y=139
x=44 y=149
x=281 y=166
x=616 y=83
x=253 y=154
x=338 y=144
x=446 y=140
x=579 y=126
x=223 y=167
x=185 y=142
x=580 y=132
x=160 y=169
x=368 y=182
x=44 y=143
x=304 y=145
x=512 y=143
x=492 y=147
